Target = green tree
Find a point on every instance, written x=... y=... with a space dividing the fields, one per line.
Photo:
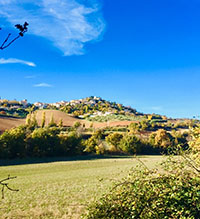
x=145 y=125
x=43 y=120
x=134 y=127
x=60 y=124
x=94 y=142
x=52 y=122
x=130 y=144
x=12 y=143
x=77 y=124
x=114 y=140
x=43 y=142
x=163 y=139
x=28 y=120
x=71 y=144
x=91 y=144
x=34 y=122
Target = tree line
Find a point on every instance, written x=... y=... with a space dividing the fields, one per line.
x=33 y=140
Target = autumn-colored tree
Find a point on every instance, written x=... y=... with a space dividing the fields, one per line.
x=77 y=124
x=134 y=127
x=130 y=144
x=52 y=122
x=28 y=120
x=60 y=124
x=94 y=142
x=114 y=140
x=43 y=120
x=195 y=141
x=162 y=138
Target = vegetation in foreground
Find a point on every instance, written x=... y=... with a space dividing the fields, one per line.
x=171 y=192
x=62 y=189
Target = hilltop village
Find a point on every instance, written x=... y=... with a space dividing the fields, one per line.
x=82 y=107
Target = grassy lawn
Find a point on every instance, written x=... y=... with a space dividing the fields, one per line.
x=62 y=189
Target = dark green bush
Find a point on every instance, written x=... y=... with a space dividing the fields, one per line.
x=39 y=142
x=12 y=143
x=43 y=142
x=114 y=140
x=130 y=144
x=70 y=144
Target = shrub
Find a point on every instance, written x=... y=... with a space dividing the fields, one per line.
x=94 y=143
x=90 y=144
x=173 y=192
x=195 y=142
x=12 y=143
x=43 y=142
x=134 y=127
x=162 y=139
x=130 y=144
x=114 y=140
x=70 y=144
x=77 y=125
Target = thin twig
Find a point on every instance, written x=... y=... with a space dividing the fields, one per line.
x=22 y=28
x=191 y=163
x=4 y=185
x=12 y=41
x=143 y=164
x=5 y=40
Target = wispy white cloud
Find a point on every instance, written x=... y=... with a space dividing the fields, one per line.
x=154 y=108
x=69 y=24
x=30 y=76
x=16 y=61
x=42 y=85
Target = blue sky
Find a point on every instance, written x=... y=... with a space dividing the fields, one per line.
x=145 y=54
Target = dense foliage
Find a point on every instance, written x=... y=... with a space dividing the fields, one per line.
x=25 y=141
x=171 y=192
x=32 y=140
x=144 y=196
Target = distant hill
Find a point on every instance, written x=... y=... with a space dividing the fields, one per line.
x=68 y=120
x=9 y=122
x=92 y=105
x=90 y=111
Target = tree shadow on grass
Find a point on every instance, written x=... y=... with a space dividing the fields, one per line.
x=9 y=162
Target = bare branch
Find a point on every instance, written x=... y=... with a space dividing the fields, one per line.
x=191 y=163
x=12 y=41
x=143 y=164
x=5 y=40
x=4 y=185
x=22 y=28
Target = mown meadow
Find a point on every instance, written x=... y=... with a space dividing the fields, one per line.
x=63 y=189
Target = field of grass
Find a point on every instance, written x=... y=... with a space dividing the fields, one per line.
x=62 y=189
x=114 y=117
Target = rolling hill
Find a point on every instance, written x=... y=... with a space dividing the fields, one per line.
x=9 y=122
x=68 y=120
